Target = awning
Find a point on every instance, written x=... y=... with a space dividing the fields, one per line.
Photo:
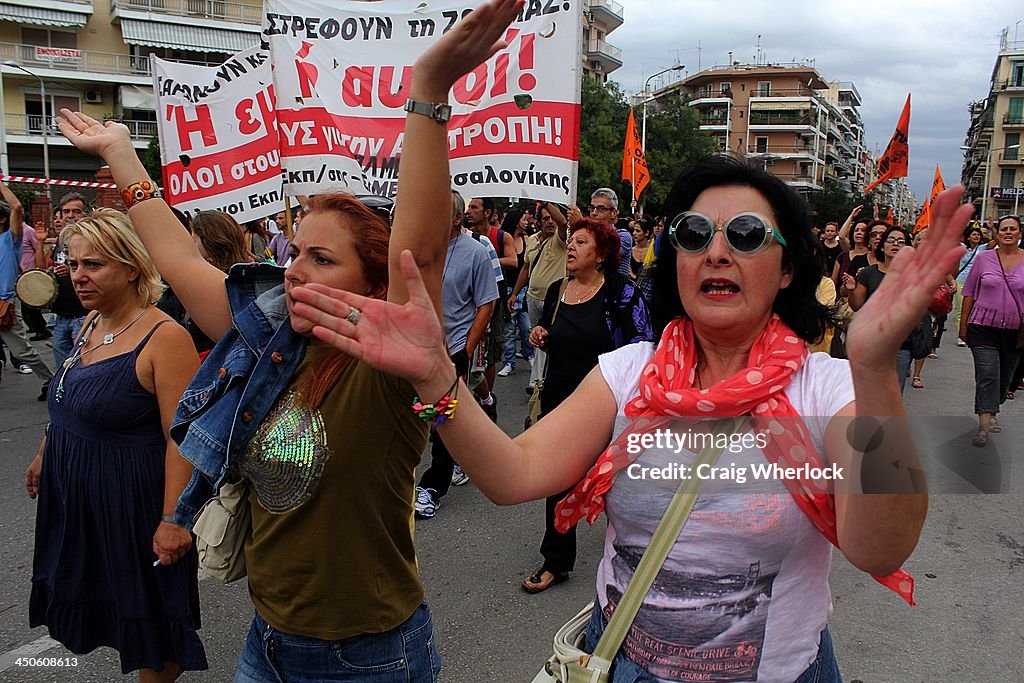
x=137 y=97
x=177 y=36
x=44 y=17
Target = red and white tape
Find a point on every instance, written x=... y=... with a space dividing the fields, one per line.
x=44 y=181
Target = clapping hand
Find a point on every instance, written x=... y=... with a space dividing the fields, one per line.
x=897 y=306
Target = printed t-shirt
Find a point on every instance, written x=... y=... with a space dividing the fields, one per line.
x=467 y=284
x=547 y=263
x=744 y=593
x=331 y=492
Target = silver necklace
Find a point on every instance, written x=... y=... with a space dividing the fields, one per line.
x=79 y=354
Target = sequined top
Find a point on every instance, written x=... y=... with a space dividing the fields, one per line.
x=331 y=553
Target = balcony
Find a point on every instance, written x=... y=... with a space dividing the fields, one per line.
x=193 y=10
x=607 y=12
x=802 y=93
x=1011 y=156
x=710 y=96
x=714 y=123
x=30 y=127
x=1014 y=119
x=83 y=62
x=767 y=121
x=799 y=180
x=608 y=56
x=1009 y=84
x=783 y=152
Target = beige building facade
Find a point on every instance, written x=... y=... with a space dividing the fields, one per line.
x=600 y=58
x=993 y=159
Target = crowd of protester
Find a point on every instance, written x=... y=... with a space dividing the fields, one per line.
x=616 y=316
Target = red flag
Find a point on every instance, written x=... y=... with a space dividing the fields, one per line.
x=893 y=163
x=634 y=164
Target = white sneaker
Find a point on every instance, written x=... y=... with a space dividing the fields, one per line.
x=426 y=503
x=961 y=342
x=459 y=477
x=506 y=371
x=24 y=369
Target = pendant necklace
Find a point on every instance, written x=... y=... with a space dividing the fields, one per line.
x=590 y=291
x=79 y=354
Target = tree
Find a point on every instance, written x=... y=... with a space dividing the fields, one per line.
x=833 y=203
x=151 y=160
x=674 y=142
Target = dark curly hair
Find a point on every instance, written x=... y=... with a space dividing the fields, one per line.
x=606 y=239
x=797 y=304
x=889 y=229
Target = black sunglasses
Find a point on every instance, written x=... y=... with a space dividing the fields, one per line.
x=745 y=233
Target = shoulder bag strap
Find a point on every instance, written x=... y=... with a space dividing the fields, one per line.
x=1020 y=316
x=654 y=557
x=973 y=254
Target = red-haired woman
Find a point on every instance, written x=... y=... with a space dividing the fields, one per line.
x=592 y=311
x=327 y=444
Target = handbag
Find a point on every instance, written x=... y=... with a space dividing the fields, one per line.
x=221 y=528
x=942 y=301
x=533 y=407
x=569 y=663
x=8 y=315
x=1020 y=316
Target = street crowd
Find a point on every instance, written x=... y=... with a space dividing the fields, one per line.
x=191 y=351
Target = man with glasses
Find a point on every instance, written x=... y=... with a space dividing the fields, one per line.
x=69 y=314
x=604 y=207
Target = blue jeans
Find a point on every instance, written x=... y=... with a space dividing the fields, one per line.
x=65 y=330
x=519 y=323
x=824 y=668
x=405 y=654
x=903 y=362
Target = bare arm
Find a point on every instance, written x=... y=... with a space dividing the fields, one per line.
x=560 y=220
x=524 y=277
x=858 y=296
x=510 y=259
x=172 y=361
x=198 y=284
x=17 y=218
x=844 y=230
x=965 y=314
x=480 y=322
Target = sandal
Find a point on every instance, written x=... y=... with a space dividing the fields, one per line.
x=917 y=383
x=933 y=355
x=981 y=440
x=994 y=427
x=1009 y=395
x=537 y=584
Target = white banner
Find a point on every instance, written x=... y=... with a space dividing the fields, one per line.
x=218 y=136
x=342 y=71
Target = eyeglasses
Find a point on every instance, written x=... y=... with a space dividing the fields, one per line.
x=895 y=240
x=746 y=233
x=595 y=208
x=877 y=234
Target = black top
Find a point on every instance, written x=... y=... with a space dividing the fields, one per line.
x=858 y=263
x=871 y=277
x=171 y=305
x=66 y=304
x=578 y=335
x=831 y=254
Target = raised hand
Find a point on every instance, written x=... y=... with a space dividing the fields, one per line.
x=472 y=41
x=93 y=137
x=886 y=320
x=402 y=340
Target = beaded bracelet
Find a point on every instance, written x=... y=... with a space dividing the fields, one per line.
x=140 y=192
x=438 y=413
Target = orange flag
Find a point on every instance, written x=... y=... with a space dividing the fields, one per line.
x=888 y=216
x=938 y=186
x=925 y=217
x=893 y=163
x=634 y=164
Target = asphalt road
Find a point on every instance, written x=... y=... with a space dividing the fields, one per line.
x=472 y=556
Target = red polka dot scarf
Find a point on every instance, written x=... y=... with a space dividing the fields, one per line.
x=667 y=390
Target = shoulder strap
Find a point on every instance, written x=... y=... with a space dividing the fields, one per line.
x=973 y=254
x=654 y=557
x=554 y=314
x=145 y=340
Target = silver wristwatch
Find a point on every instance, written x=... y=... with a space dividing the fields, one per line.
x=438 y=111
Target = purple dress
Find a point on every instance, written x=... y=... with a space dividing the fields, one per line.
x=100 y=499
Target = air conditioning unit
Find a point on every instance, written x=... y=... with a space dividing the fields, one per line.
x=94 y=96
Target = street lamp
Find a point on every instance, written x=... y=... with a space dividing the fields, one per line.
x=647 y=85
x=988 y=170
x=46 y=136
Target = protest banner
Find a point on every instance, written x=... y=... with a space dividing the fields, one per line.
x=219 y=136
x=342 y=72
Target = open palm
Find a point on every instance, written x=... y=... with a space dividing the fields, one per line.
x=402 y=340
x=886 y=320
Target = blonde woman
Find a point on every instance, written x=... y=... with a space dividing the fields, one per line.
x=110 y=567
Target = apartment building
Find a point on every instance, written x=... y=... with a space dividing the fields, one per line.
x=94 y=57
x=993 y=161
x=802 y=128
x=600 y=58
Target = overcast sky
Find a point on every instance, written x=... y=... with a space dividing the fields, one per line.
x=940 y=52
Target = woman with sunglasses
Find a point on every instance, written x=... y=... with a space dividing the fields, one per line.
x=327 y=444
x=734 y=305
x=991 y=315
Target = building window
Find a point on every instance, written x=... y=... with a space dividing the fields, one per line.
x=1017 y=77
x=35 y=115
x=725 y=88
x=761 y=144
x=723 y=142
x=1012 y=140
x=44 y=37
x=1008 y=177
x=764 y=88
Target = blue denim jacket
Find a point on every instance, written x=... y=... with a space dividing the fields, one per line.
x=237 y=385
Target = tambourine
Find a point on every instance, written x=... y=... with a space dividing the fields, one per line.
x=36 y=288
